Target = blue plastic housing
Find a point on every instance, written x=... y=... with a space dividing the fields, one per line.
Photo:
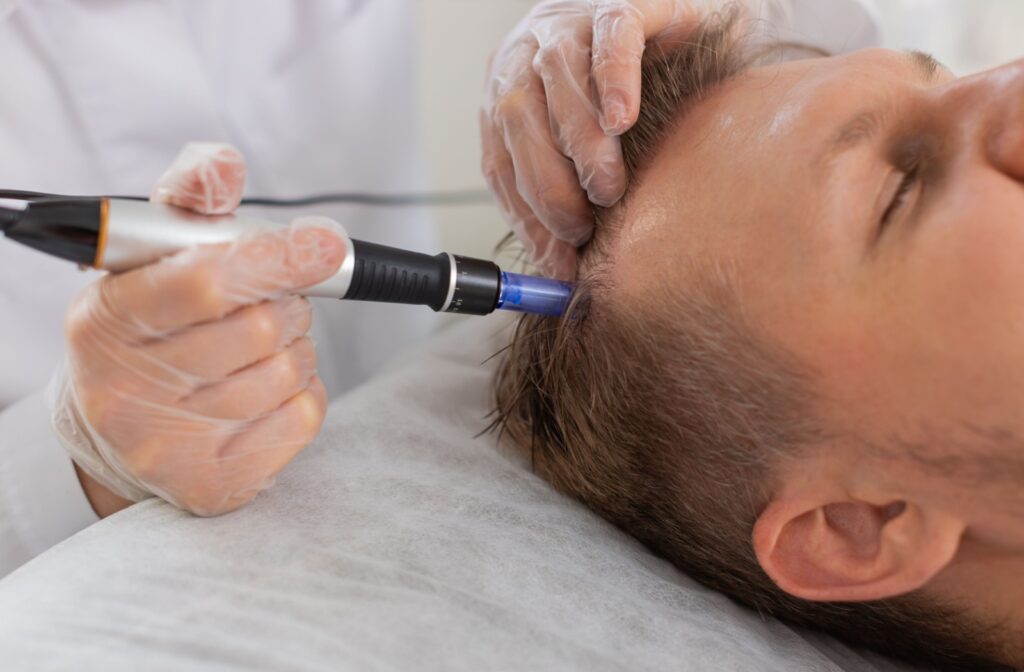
x=529 y=294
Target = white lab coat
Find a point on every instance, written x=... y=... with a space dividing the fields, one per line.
x=99 y=97
x=318 y=94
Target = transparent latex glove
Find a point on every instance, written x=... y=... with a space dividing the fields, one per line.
x=561 y=88
x=193 y=378
x=207 y=177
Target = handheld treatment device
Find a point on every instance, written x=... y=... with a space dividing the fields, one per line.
x=120 y=234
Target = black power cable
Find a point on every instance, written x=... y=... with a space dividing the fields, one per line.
x=465 y=197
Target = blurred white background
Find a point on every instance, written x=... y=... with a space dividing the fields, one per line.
x=457 y=36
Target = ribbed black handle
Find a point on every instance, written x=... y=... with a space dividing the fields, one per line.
x=390 y=275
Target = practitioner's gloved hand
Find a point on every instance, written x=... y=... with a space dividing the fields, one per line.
x=207 y=177
x=561 y=89
x=193 y=378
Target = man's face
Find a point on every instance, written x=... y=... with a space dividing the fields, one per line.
x=871 y=209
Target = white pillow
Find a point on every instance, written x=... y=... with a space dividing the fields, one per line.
x=400 y=540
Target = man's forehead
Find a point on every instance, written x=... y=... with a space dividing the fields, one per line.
x=834 y=83
x=746 y=153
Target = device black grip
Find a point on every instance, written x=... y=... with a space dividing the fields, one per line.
x=390 y=275
x=65 y=228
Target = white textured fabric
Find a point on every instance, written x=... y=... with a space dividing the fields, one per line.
x=41 y=501
x=398 y=541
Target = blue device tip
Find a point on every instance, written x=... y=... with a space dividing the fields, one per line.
x=530 y=294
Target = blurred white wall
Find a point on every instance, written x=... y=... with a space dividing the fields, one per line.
x=966 y=35
x=457 y=36
x=456 y=39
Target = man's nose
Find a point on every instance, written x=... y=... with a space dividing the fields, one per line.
x=998 y=102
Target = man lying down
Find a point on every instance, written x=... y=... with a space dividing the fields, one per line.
x=795 y=362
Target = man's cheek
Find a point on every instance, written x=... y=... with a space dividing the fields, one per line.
x=963 y=300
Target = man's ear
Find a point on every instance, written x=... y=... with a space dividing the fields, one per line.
x=828 y=545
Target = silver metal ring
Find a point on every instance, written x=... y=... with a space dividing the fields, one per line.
x=451 y=283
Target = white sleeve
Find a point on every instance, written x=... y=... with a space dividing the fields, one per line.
x=836 y=26
x=41 y=500
x=6 y=7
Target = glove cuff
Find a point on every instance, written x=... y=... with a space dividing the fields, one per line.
x=82 y=444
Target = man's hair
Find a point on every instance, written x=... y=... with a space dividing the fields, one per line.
x=668 y=416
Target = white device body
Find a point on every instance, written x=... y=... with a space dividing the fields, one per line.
x=139 y=232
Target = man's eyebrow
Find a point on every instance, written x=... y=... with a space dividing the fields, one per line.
x=926 y=63
x=866 y=124
x=861 y=128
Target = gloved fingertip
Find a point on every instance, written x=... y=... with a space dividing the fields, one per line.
x=319 y=242
x=556 y=259
x=563 y=268
x=615 y=117
x=604 y=180
x=205 y=177
x=582 y=238
x=606 y=197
